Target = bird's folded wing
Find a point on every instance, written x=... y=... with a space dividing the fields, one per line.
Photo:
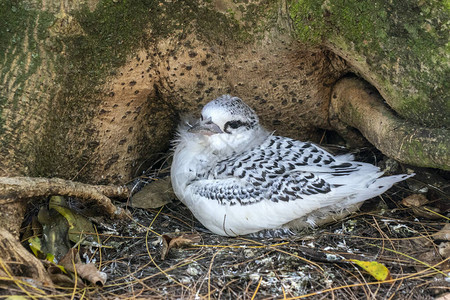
x=245 y=191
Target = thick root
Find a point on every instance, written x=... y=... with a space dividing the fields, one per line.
x=14 y=191
x=19 y=266
x=355 y=103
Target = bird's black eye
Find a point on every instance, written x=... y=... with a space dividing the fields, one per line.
x=233 y=125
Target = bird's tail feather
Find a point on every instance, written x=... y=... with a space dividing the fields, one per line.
x=378 y=187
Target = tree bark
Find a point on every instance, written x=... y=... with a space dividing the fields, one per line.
x=400 y=47
x=93 y=92
x=357 y=104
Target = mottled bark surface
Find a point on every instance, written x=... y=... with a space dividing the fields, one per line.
x=93 y=91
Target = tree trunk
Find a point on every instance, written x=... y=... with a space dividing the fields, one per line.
x=400 y=47
x=93 y=92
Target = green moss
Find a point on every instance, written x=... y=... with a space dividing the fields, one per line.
x=404 y=44
x=261 y=18
x=425 y=156
x=308 y=21
x=20 y=55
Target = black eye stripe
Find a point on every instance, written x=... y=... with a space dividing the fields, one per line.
x=234 y=125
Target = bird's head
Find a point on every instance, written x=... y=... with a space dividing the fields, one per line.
x=228 y=123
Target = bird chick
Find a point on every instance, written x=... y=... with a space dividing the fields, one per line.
x=237 y=178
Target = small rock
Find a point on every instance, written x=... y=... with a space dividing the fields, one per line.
x=248 y=253
x=192 y=270
x=444 y=249
x=443 y=234
x=254 y=277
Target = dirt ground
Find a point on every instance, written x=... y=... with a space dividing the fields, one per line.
x=312 y=264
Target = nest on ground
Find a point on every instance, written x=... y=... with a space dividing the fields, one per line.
x=314 y=264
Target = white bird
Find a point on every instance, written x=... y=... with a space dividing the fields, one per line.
x=237 y=178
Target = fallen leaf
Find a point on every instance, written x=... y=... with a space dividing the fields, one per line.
x=415 y=200
x=165 y=246
x=16 y=297
x=443 y=234
x=177 y=242
x=153 y=195
x=184 y=240
x=91 y=273
x=427 y=258
x=70 y=259
x=54 y=238
x=61 y=278
x=35 y=246
x=85 y=271
x=417 y=203
x=377 y=270
x=50 y=257
x=77 y=223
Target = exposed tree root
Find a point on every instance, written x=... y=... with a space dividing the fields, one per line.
x=17 y=263
x=355 y=103
x=15 y=189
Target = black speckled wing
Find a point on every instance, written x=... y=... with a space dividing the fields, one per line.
x=279 y=170
x=286 y=188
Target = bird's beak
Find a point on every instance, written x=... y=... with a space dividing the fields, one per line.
x=205 y=127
